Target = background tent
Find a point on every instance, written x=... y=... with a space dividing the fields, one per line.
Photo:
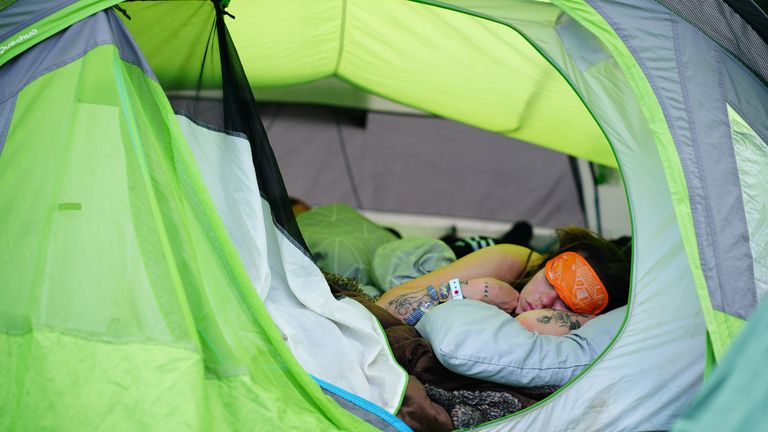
x=662 y=91
x=411 y=167
x=388 y=162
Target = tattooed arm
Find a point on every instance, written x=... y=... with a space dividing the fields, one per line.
x=552 y=322
x=403 y=305
x=488 y=290
x=503 y=262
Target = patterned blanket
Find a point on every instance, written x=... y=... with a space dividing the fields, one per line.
x=436 y=398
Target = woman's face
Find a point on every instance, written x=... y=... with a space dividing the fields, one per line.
x=538 y=293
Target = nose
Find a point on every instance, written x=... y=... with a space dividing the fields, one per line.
x=548 y=299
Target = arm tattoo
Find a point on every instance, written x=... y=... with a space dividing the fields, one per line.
x=562 y=319
x=404 y=304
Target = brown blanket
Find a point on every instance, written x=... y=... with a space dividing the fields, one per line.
x=469 y=401
x=437 y=399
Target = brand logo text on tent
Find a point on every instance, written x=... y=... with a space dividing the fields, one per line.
x=20 y=39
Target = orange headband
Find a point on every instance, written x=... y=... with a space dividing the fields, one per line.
x=577 y=283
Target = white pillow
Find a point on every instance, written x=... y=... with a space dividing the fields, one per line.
x=478 y=340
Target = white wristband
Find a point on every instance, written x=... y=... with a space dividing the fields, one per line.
x=455 y=287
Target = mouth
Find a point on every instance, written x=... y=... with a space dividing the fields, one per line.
x=527 y=306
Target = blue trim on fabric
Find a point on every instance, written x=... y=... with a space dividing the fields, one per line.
x=365 y=404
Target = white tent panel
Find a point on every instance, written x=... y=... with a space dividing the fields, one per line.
x=338 y=342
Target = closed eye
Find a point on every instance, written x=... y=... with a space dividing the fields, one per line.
x=558 y=304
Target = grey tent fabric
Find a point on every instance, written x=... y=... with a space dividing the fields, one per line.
x=384 y=162
x=22 y=13
x=63 y=47
x=716 y=19
x=363 y=413
x=59 y=50
x=710 y=168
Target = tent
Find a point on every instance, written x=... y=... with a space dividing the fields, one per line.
x=138 y=284
x=157 y=272
x=733 y=396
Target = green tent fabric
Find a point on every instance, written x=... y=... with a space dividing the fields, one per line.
x=667 y=94
x=125 y=303
x=455 y=75
x=732 y=399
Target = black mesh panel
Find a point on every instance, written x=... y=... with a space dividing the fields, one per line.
x=241 y=115
x=744 y=39
x=223 y=101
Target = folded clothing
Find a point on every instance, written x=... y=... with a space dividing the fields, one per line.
x=399 y=261
x=343 y=241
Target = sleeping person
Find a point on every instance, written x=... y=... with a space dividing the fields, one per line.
x=481 y=349
x=549 y=297
x=554 y=294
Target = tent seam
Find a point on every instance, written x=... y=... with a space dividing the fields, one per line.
x=6 y=129
x=738 y=58
x=209 y=127
x=723 y=298
x=34 y=329
x=37 y=18
x=700 y=212
x=284 y=232
x=740 y=112
x=342 y=36
x=52 y=67
x=552 y=63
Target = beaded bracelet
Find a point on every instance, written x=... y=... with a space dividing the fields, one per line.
x=416 y=314
x=433 y=293
x=443 y=293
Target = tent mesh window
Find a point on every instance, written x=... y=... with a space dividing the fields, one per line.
x=721 y=23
